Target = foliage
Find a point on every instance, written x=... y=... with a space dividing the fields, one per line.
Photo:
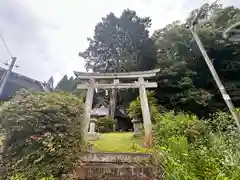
x=63 y=84
x=185 y=82
x=135 y=112
x=223 y=122
x=194 y=149
x=22 y=177
x=120 y=44
x=43 y=134
x=105 y=124
x=170 y=124
x=80 y=93
x=67 y=84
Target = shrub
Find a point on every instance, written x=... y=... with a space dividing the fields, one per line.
x=193 y=149
x=135 y=112
x=173 y=125
x=43 y=134
x=105 y=124
x=222 y=122
x=20 y=176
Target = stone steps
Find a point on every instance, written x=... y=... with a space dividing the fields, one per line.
x=109 y=157
x=119 y=166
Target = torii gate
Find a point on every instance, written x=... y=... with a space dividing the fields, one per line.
x=92 y=83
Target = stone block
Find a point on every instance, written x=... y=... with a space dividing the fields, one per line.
x=93 y=136
x=137 y=124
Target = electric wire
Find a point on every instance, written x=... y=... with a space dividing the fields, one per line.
x=5 y=44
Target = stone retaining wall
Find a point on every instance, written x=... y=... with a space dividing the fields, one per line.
x=119 y=166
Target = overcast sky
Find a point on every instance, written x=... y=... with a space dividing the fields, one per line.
x=47 y=35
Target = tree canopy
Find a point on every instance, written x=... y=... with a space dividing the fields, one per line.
x=120 y=44
x=191 y=86
x=66 y=84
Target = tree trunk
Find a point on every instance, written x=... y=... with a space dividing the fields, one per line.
x=113 y=97
x=113 y=103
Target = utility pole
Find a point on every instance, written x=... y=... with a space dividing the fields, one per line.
x=222 y=89
x=7 y=75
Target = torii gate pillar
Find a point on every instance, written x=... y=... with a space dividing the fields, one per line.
x=145 y=113
x=88 y=108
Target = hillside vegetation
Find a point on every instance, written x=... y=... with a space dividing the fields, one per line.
x=43 y=136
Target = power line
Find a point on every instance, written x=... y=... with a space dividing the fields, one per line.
x=5 y=44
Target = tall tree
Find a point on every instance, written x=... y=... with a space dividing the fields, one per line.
x=62 y=84
x=66 y=84
x=120 y=44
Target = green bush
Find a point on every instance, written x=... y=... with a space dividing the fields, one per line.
x=173 y=125
x=196 y=150
x=105 y=124
x=20 y=176
x=222 y=122
x=43 y=134
x=135 y=112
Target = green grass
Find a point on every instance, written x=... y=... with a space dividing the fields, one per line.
x=118 y=142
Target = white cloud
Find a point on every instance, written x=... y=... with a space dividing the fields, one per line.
x=47 y=35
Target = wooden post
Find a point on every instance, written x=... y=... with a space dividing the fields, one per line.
x=145 y=113
x=88 y=108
